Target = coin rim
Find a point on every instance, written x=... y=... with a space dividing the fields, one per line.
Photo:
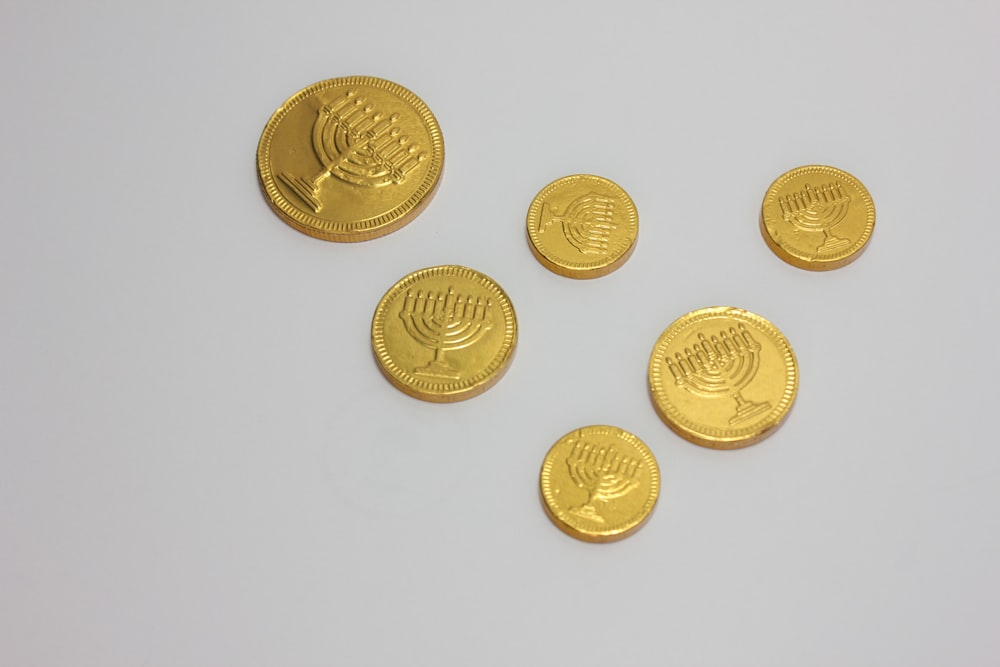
x=623 y=530
x=712 y=437
x=370 y=228
x=453 y=391
x=800 y=260
x=580 y=270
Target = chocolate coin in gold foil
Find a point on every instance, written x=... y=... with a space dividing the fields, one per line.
x=444 y=334
x=582 y=226
x=599 y=483
x=817 y=218
x=350 y=159
x=723 y=377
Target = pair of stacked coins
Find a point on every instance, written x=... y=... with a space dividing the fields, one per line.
x=355 y=158
x=719 y=377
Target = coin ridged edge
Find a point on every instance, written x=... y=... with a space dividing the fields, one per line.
x=835 y=260
x=709 y=436
x=371 y=228
x=453 y=391
x=611 y=534
x=581 y=270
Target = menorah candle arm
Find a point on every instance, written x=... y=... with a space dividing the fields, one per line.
x=712 y=349
x=573 y=210
x=698 y=359
x=425 y=334
x=378 y=143
x=413 y=158
x=469 y=333
x=431 y=304
x=479 y=312
x=692 y=359
x=355 y=111
x=727 y=345
x=571 y=466
x=597 y=460
x=674 y=370
x=585 y=476
x=738 y=341
x=400 y=149
x=684 y=365
x=814 y=195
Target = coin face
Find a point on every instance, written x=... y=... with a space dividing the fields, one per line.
x=599 y=483
x=817 y=217
x=723 y=377
x=350 y=159
x=444 y=334
x=582 y=226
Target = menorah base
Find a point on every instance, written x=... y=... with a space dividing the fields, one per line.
x=748 y=410
x=833 y=244
x=304 y=188
x=439 y=370
x=587 y=512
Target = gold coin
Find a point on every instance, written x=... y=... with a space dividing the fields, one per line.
x=350 y=159
x=817 y=218
x=444 y=334
x=723 y=377
x=599 y=483
x=582 y=226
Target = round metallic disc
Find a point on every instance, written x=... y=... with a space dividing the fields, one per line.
x=723 y=377
x=444 y=334
x=599 y=483
x=582 y=226
x=350 y=159
x=817 y=218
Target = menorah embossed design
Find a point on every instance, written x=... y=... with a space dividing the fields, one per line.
x=817 y=210
x=356 y=144
x=603 y=473
x=720 y=366
x=444 y=321
x=587 y=222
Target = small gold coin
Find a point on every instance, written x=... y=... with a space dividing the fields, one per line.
x=723 y=377
x=817 y=218
x=350 y=159
x=444 y=334
x=599 y=483
x=582 y=226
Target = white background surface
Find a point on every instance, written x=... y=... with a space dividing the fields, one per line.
x=200 y=463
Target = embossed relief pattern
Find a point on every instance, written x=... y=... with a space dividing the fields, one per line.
x=720 y=366
x=587 y=222
x=444 y=321
x=358 y=144
x=604 y=473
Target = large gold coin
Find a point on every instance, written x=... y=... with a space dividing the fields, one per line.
x=817 y=217
x=444 y=334
x=723 y=377
x=582 y=226
x=599 y=483
x=350 y=159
